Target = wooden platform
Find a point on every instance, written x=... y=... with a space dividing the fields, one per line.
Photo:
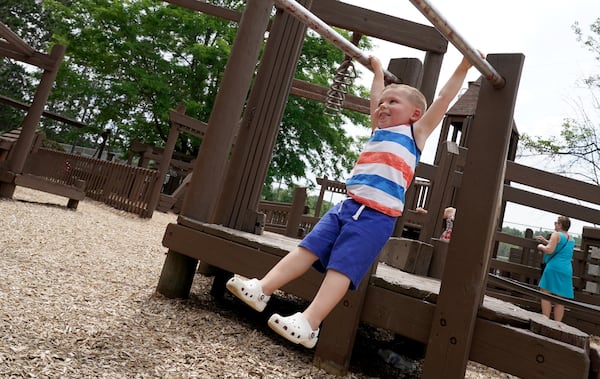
x=506 y=337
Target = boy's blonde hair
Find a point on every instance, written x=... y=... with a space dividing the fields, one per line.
x=414 y=95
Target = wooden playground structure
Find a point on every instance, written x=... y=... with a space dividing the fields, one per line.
x=452 y=315
x=221 y=217
x=17 y=146
x=23 y=162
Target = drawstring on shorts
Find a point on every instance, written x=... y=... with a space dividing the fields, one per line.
x=358 y=212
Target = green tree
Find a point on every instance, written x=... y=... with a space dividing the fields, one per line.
x=576 y=151
x=129 y=62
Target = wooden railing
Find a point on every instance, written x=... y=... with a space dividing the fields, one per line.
x=118 y=185
x=524 y=186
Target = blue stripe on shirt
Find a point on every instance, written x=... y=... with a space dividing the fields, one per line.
x=379 y=182
x=401 y=139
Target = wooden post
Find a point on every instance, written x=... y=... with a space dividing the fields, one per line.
x=32 y=119
x=205 y=186
x=442 y=188
x=465 y=274
x=295 y=216
x=177 y=275
x=258 y=131
x=163 y=167
x=338 y=331
x=324 y=186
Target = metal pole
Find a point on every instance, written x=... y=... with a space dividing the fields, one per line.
x=451 y=35
x=327 y=32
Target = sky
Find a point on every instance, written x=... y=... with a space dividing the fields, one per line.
x=555 y=62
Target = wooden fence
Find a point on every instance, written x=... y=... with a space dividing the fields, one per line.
x=118 y=185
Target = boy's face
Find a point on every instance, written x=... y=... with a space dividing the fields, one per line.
x=395 y=108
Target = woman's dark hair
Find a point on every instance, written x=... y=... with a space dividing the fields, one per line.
x=565 y=222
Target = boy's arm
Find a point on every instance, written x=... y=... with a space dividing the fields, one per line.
x=429 y=121
x=376 y=89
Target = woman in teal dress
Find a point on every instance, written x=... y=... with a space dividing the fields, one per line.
x=557 y=278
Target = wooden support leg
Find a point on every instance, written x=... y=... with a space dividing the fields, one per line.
x=218 y=287
x=72 y=204
x=177 y=275
x=7 y=190
x=338 y=332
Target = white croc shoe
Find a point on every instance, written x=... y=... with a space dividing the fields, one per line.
x=249 y=291
x=295 y=328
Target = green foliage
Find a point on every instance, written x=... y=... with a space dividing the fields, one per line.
x=129 y=62
x=576 y=151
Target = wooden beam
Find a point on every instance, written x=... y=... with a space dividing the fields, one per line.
x=353 y=18
x=534 y=200
x=547 y=181
x=40 y=60
x=15 y=41
x=17 y=104
x=379 y=25
x=187 y=124
x=319 y=93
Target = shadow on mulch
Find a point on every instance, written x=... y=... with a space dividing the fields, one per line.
x=369 y=344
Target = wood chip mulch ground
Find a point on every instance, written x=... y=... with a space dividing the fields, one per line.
x=77 y=300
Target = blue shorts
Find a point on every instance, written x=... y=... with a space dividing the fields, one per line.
x=348 y=240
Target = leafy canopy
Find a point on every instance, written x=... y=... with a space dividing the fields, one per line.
x=129 y=61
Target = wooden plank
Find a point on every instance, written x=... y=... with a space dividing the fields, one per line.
x=44 y=185
x=389 y=290
x=274 y=243
x=539 y=201
x=492 y=342
x=525 y=354
x=17 y=104
x=187 y=124
x=547 y=181
x=37 y=59
x=14 y=40
x=495 y=344
x=247 y=260
x=379 y=25
x=591 y=233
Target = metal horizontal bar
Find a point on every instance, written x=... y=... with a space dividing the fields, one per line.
x=444 y=27
x=313 y=22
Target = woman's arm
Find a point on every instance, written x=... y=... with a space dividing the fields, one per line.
x=551 y=244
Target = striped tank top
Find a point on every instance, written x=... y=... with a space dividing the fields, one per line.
x=385 y=169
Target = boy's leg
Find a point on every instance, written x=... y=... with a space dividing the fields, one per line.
x=256 y=293
x=332 y=290
x=290 y=267
x=303 y=328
